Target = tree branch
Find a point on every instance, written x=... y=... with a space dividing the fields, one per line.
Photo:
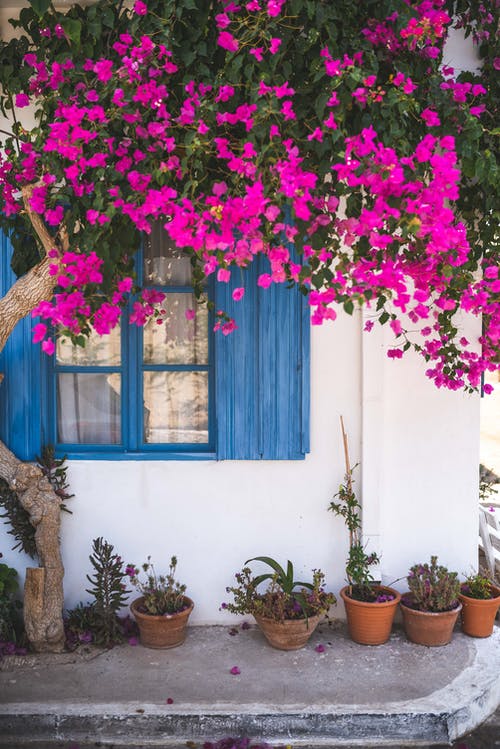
x=47 y=240
x=37 y=285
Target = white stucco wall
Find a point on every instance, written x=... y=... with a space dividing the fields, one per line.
x=419 y=450
x=419 y=454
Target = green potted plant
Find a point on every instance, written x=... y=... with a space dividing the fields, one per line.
x=287 y=611
x=480 y=599
x=163 y=609
x=10 y=619
x=431 y=607
x=370 y=607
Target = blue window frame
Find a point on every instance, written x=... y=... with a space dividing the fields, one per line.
x=255 y=382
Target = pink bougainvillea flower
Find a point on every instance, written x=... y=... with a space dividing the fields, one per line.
x=22 y=100
x=39 y=332
x=227 y=41
x=274 y=45
x=477 y=110
x=48 y=347
x=430 y=117
x=222 y=20
x=395 y=353
x=235 y=671
x=258 y=53
x=140 y=8
x=238 y=294
x=190 y=314
x=274 y=7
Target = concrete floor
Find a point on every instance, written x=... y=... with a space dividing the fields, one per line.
x=397 y=694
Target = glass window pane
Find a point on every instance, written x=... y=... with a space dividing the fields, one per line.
x=178 y=340
x=104 y=350
x=164 y=263
x=176 y=407
x=88 y=408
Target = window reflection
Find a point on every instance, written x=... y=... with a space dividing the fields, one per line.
x=98 y=350
x=176 y=407
x=164 y=263
x=178 y=340
x=88 y=408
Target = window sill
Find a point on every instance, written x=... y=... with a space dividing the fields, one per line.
x=157 y=455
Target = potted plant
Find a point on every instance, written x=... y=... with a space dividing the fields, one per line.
x=431 y=607
x=163 y=609
x=287 y=611
x=480 y=599
x=370 y=607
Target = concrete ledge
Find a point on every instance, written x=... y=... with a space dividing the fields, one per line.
x=393 y=695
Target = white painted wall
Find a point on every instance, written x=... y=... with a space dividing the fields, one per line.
x=419 y=449
x=419 y=454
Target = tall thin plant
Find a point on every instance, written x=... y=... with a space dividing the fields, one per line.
x=109 y=592
x=358 y=562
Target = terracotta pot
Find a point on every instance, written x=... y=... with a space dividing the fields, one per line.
x=370 y=623
x=291 y=634
x=478 y=614
x=166 y=631
x=429 y=628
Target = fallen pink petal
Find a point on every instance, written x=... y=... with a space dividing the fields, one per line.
x=235 y=671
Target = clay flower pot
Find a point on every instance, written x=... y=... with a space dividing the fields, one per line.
x=429 y=628
x=167 y=631
x=370 y=623
x=291 y=634
x=478 y=614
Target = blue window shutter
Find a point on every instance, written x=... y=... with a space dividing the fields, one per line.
x=262 y=371
x=20 y=416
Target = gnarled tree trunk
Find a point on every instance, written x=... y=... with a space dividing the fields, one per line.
x=44 y=598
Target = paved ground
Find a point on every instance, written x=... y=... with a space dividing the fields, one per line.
x=398 y=694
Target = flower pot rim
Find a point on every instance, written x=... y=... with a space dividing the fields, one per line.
x=393 y=591
x=286 y=621
x=454 y=610
x=137 y=601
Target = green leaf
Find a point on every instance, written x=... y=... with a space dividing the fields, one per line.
x=40 y=6
x=73 y=29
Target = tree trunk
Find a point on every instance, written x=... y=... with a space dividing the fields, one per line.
x=43 y=604
x=44 y=597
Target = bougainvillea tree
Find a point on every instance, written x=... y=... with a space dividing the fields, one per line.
x=328 y=137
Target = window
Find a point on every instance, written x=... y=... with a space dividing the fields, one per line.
x=141 y=389
x=175 y=391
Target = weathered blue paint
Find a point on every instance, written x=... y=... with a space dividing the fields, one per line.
x=20 y=412
x=262 y=378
